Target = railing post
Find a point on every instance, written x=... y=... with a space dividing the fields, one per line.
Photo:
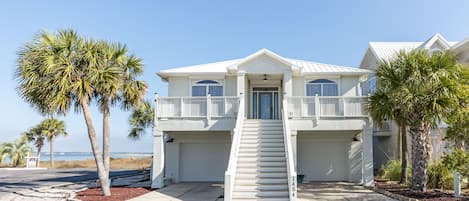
x=155 y=117
x=317 y=107
x=302 y=104
x=209 y=108
x=225 y=103
x=182 y=106
x=343 y=105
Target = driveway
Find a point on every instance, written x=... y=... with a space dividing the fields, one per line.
x=185 y=192
x=340 y=191
x=12 y=181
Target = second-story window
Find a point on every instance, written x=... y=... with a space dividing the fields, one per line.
x=322 y=87
x=205 y=87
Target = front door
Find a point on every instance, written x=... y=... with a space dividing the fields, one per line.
x=265 y=103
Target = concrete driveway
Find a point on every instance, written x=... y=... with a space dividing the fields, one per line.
x=340 y=191
x=185 y=192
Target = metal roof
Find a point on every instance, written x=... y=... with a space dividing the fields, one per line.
x=221 y=67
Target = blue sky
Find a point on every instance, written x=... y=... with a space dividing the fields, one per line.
x=177 y=33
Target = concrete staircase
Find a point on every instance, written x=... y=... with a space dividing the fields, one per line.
x=261 y=172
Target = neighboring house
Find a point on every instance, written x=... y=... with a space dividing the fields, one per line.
x=386 y=139
x=255 y=123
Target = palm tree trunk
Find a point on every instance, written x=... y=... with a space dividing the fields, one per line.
x=106 y=140
x=51 y=155
x=419 y=137
x=95 y=148
x=403 y=154
x=38 y=156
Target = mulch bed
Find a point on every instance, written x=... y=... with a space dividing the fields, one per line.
x=117 y=194
x=429 y=195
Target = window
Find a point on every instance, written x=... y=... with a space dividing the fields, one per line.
x=372 y=85
x=204 y=87
x=322 y=87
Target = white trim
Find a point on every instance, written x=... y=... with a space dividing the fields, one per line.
x=336 y=80
x=193 y=82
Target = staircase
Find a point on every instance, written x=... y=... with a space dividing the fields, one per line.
x=261 y=172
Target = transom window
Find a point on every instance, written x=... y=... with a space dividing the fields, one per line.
x=322 y=87
x=205 y=87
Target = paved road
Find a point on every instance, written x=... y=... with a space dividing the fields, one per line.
x=17 y=180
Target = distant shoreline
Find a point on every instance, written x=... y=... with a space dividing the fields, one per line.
x=79 y=156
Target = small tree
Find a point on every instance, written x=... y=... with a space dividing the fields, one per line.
x=37 y=137
x=140 y=119
x=16 y=150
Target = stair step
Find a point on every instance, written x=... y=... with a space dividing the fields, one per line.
x=262 y=159
x=262 y=154
x=264 y=149
x=262 y=129
x=261 y=137
x=263 y=194
x=261 y=199
x=260 y=164
x=256 y=181
x=264 y=144
x=251 y=169
x=261 y=187
x=260 y=175
x=253 y=141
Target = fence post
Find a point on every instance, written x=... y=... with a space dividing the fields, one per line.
x=155 y=117
x=343 y=105
x=317 y=107
x=209 y=108
x=457 y=184
x=182 y=107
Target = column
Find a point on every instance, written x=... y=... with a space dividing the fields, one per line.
x=367 y=156
x=240 y=83
x=287 y=83
x=294 y=134
x=158 y=159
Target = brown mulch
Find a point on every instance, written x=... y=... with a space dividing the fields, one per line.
x=117 y=194
x=428 y=195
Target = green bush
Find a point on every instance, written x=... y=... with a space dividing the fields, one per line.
x=457 y=160
x=392 y=171
x=439 y=176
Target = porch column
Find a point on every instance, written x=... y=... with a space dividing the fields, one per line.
x=367 y=160
x=157 y=180
x=241 y=88
x=287 y=83
x=294 y=134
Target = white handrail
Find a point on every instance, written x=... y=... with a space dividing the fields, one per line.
x=233 y=160
x=291 y=172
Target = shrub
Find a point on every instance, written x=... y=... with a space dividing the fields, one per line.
x=457 y=160
x=439 y=176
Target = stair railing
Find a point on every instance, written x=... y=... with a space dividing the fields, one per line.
x=233 y=160
x=291 y=172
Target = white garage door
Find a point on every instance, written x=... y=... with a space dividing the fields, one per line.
x=203 y=162
x=323 y=160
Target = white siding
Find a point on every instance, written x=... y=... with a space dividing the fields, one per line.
x=178 y=86
x=263 y=65
x=349 y=86
x=299 y=86
x=230 y=86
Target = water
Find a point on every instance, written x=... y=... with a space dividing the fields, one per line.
x=75 y=156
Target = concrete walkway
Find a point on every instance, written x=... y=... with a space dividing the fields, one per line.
x=340 y=191
x=185 y=192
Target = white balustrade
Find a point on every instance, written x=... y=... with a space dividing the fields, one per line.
x=197 y=107
x=326 y=106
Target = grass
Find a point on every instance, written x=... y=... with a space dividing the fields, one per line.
x=116 y=163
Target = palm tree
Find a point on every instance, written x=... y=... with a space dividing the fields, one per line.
x=57 y=71
x=128 y=90
x=427 y=95
x=36 y=136
x=140 y=119
x=382 y=107
x=52 y=128
x=16 y=150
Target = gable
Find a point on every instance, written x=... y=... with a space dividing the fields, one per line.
x=263 y=64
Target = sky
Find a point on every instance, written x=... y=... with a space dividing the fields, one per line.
x=167 y=34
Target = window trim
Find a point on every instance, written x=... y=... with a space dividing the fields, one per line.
x=207 y=86
x=307 y=82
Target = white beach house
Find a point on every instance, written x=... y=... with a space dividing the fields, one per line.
x=386 y=139
x=257 y=122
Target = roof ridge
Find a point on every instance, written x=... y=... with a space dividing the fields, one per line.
x=342 y=66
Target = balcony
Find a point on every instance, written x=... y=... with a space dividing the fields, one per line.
x=196 y=107
x=326 y=106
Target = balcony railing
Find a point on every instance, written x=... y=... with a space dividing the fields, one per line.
x=196 y=107
x=326 y=106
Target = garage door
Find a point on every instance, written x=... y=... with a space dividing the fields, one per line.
x=324 y=160
x=203 y=162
